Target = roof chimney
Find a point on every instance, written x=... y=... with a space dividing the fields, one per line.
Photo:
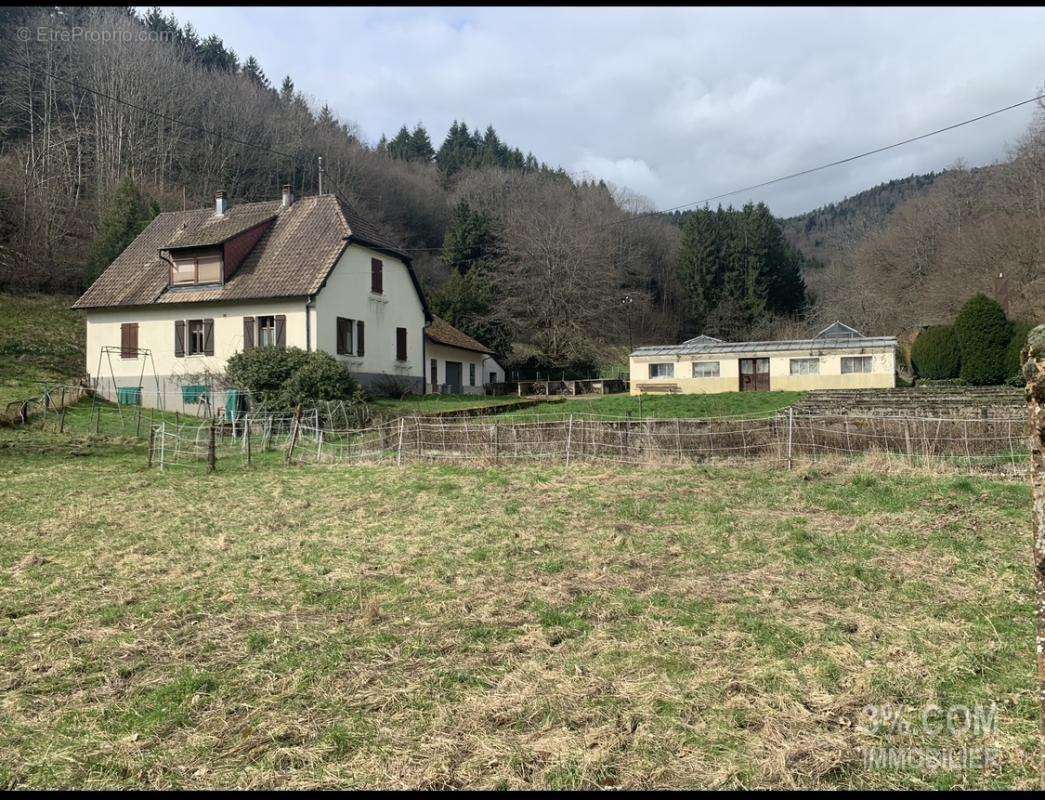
x=221 y=205
x=288 y=198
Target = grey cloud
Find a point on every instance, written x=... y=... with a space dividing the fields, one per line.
x=675 y=104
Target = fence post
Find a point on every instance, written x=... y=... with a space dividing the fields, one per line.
x=212 y=456
x=1034 y=371
x=790 y=438
x=569 y=437
x=399 y=449
x=294 y=425
x=496 y=443
x=246 y=433
x=417 y=425
x=61 y=413
x=152 y=443
x=138 y=424
x=163 y=430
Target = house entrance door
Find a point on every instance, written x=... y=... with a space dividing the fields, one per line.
x=754 y=374
x=453 y=377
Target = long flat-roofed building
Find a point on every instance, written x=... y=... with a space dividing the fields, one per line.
x=838 y=357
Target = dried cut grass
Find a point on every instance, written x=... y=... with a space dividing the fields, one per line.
x=520 y=627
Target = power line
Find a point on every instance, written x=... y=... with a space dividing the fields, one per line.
x=828 y=165
x=144 y=110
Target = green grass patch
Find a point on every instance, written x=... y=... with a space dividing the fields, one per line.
x=662 y=406
x=41 y=341
x=522 y=626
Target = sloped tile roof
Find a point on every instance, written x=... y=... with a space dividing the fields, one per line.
x=293 y=258
x=442 y=332
x=204 y=228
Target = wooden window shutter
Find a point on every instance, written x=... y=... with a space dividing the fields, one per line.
x=359 y=338
x=179 y=338
x=376 y=276
x=342 y=323
x=208 y=337
x=281 y=330
x=129 y=340
x=248 y=333
x=400 y=344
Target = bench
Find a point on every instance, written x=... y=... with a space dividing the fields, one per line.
x=670 y=388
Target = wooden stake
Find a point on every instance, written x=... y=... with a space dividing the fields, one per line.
x=138 y=424
x=246 y=433
x=1034 y=372
x=152 y=444
x=212 y=456
x=61 y=414
x=294 y=433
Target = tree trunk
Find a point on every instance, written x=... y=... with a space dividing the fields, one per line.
x=1034 y=372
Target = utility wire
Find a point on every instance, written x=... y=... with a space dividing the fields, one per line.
x=144 y=110
x=828 y=165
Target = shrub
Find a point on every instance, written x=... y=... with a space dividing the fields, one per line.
x=983 y=336
x=279 y=380
x=935 y=354
x=1013 y=365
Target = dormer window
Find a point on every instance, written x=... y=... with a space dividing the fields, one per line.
x=196 y=269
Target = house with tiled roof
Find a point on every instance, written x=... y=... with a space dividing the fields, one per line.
x=457 y=363
x=196 y=287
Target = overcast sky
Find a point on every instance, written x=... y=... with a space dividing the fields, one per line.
x=675 y=104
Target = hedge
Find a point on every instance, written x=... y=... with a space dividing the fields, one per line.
x=935 y=354
x=983 y=336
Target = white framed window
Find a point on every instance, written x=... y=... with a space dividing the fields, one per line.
x=705 y=369
x=662 y=370
x=266 y=331
x=197 y=337
x=851 y=364
x=805 y=366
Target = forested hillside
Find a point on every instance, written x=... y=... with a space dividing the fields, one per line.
x=825 y=232
x=100 y=132
x=911 y=252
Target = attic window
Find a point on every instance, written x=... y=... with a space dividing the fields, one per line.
x=192 y=270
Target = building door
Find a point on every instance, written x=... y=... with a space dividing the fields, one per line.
x=453 y=377
x=754 y=374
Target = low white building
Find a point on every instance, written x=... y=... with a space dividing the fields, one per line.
x=197 y=286
x=838 y=357
x=457 y=363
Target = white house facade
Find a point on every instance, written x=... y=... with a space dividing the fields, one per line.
x=196 y=287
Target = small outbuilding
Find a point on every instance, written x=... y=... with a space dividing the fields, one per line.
x=457 y=363
x=839 y=357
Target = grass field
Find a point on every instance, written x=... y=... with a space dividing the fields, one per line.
x=430 y=403
x=664 y=406
x=520 y=627
x=41 y=339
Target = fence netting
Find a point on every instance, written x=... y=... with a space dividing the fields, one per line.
x=995 y=444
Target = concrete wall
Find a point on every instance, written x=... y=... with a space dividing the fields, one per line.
x=484 y=365
x=882 y=375
x=347 y=294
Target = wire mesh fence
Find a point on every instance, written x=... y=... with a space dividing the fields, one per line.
x=994 y=444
